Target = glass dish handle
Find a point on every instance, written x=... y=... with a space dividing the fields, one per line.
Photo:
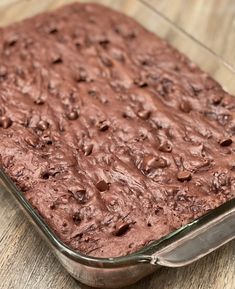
x=198 y=243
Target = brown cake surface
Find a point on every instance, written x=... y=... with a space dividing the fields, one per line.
x=112 y=135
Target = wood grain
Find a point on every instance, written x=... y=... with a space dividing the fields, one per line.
x=25 y=260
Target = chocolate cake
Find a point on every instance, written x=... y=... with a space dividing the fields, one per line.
x=112 y=135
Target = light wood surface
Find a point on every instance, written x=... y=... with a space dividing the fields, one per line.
x=25 y=260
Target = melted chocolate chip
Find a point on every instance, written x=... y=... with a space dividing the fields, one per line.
x=104 y=42
x=103 y=125
x=226 y=142
x=92 y=92
x=46 y=137
x=216 y=99
x=102 y=186
x=52 y=206
x=78 y=43
x=165 y=147
x=11 y=41
x=42 y=125
x=39 y=101
x=144 y=114
x=80 y=75
x=73 y=115
x=88 y=149
x=140 y=82
x=52 y=29
x=45 y=175
x=5 y=122
x=56 y=59
x=184 y=176
x=121 y=228
x=77 y=218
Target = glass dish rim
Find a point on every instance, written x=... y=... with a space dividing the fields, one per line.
x=142 y=255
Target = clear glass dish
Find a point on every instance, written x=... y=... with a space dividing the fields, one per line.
x=182 y=246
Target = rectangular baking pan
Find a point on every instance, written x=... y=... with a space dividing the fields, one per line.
x=181 y=247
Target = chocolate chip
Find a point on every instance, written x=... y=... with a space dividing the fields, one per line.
x=77 y=218
x=92 y=92
x=45 y=175
x=12 y=40
x=78 y=43
x=226 y=142
x=121 y=228
x=32 y=140
x=196 y=89
x=39 y=101
x=42 y=125
x=80 y=75
x=102 y=186
x=73 y=115
x=185 y=106
x=140 y=82
x=46 y=137
x=88 y=149
x=158 y=210
x=144 y=114
x=104 y=42
x=5 y=122
x=52 y=29
x=103 y=125
x=184 y=176
x=52 y=206
x=216 y=99
x=56 y=59
x=165 y=147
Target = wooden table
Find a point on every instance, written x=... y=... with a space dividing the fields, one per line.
x=25 y=260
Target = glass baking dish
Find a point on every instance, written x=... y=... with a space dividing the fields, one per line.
x=181 y=247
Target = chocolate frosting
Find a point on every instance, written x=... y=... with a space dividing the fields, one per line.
x=113 y=136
